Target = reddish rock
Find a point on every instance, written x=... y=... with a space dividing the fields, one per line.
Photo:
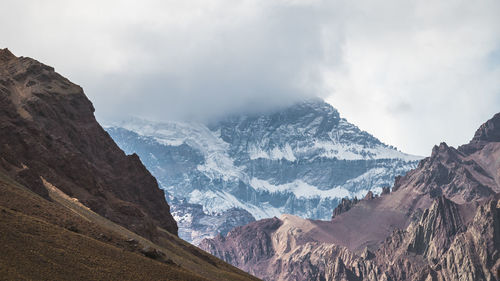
x=441 y=222
x=344 y=206
x=489 y=131
x=48 y=129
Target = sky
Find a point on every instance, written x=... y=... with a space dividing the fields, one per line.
x=412 y=73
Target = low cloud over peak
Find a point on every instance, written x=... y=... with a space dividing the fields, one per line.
x=411 y=73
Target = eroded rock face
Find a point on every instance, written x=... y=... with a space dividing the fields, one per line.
x=440 y=246
x=436 y=227
x=254 y=243
x=441 y=222
x=489 y=131
x=48 y=130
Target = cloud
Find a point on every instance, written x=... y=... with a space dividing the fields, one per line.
x=412 y=73
x=201 y=59
x=435 y=57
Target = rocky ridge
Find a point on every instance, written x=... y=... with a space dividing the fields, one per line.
x=440 y=222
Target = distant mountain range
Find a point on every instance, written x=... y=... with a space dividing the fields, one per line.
x=300 y=160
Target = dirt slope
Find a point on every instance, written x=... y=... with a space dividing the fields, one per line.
x=61 y=240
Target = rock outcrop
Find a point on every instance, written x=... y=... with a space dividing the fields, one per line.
x=440 y=222
x=489 y=131
x=344 y=206
x=48 y=134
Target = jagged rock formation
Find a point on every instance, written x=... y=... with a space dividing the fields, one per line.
x=301 y=159
x=489 y=131
x=440 y=222
x=436 y=227
x=48 y=132
x=345 y=205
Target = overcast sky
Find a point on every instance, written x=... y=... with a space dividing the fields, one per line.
x=412 y=73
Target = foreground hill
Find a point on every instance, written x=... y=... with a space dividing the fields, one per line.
x=301 y=159
x=73 y=206
x=61 y=239
x=440 y=222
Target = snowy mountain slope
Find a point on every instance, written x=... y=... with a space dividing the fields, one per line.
x=300 y=160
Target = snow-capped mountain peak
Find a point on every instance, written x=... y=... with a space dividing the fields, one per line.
x=300 y=160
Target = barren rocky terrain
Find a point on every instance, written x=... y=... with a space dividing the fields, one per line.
x=441 y=221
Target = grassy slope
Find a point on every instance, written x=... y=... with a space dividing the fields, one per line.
x=63 y=240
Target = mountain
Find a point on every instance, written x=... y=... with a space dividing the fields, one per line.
x=73 y=205
x=48 y=130
x=302 y=160
x=440 y=222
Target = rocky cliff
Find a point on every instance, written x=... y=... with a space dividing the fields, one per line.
x=49 y=135
x=440 y=222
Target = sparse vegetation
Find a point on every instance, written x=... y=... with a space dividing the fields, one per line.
x=64 y=240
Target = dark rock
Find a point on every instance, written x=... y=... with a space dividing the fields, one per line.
x=344 y=206
x=152 y=253
x=385 y=190
x=72 y=228
x=6 y=55
x=489 y=131
x=398 y=182
x=369 y=195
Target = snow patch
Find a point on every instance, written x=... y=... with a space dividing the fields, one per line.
x=215 y=202
x=300 y=189
x=274 y=154
x=220 y=166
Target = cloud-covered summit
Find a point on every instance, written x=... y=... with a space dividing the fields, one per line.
x=413 y=73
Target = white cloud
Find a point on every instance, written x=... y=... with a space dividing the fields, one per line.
x=413 y=73
x=420 y=75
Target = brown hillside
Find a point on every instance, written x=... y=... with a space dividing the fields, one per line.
x=60 y=239
x=48 y=129
x=73 y=206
